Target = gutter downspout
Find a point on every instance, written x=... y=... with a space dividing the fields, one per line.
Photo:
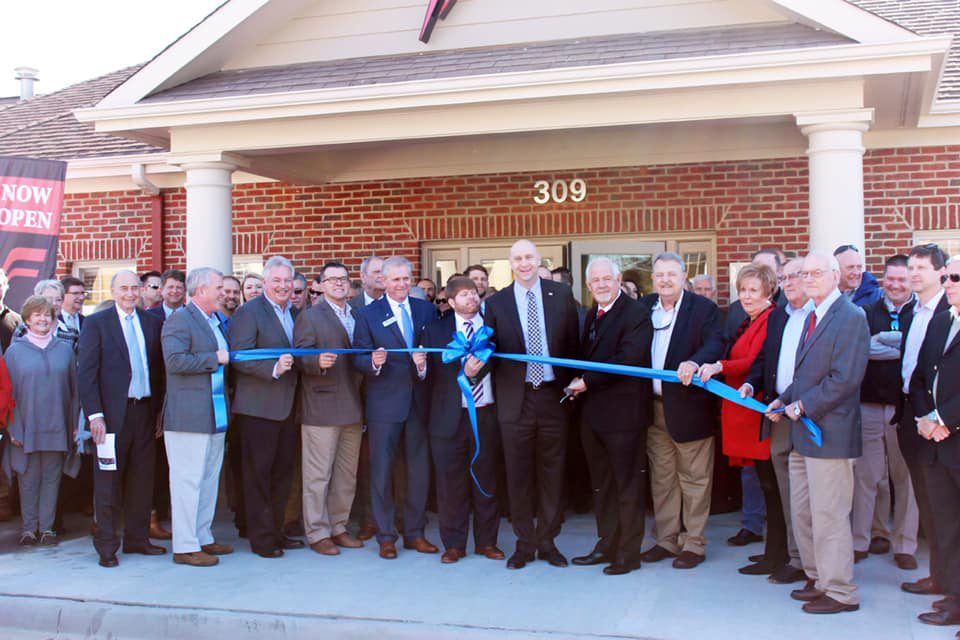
x=138 y=174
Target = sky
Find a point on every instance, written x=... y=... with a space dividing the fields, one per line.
x=70 y=41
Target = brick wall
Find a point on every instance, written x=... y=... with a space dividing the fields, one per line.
x=747 y=204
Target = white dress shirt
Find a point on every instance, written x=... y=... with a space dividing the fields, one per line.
x=477 y=322
x=922 y=314
x=395 y=308
x=520 y=297
x=790 y=343
x=661 y=338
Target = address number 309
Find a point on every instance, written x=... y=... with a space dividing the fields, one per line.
x=560 y=191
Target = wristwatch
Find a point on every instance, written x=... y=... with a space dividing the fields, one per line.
x=796 y=410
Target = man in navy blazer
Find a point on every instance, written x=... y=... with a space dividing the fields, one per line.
x=680 y=442
x=935 y=398
x=121 y=381
x=395 y=404
x=451 y=437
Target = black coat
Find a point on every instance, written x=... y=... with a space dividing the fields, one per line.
x=562 y=325
x=104 y=365
x=691 y=412
x=882 y=383
x=934 y=359
x=623 y=335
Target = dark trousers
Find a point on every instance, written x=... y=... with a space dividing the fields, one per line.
x=125 y=495
x=457 y=494
x=618 y=470
x=775 y=543
x=386 y=439
x=534 y=449
x=161 y=482
x=914 y=454
x=943 y=488
x=268 y=448
x=235 y=485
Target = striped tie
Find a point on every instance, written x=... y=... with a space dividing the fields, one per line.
x=477 y=388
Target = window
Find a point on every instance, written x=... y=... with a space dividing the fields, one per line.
x=96 y=278
x=248 y=263
x=947 y=239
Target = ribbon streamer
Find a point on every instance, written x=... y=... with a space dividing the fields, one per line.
x=219 y=399
x=481 y=348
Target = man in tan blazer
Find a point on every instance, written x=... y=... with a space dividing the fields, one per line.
x=332 y=415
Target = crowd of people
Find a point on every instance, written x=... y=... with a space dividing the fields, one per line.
x=340 y=448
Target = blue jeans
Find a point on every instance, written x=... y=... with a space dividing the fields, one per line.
x=753 y=509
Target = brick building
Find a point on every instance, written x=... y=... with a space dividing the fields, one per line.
x=324 y=130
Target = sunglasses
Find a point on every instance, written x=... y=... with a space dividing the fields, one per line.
x=298 y=292
x=952 y=277
x=152 y=286
x=313 y=293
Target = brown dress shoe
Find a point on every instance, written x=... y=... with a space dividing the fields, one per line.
x=157 y=532
x=923 y=587
x=826 y=604
x=325 y=547
x=941 y=604
x=346 y=540
x=491 y=552
x=809 y=593
x=195 y=559
x=905 y=561
x=687 y=560
x=216 y=549
x=420 y=544
x=388 y=550
x=452 y=555
x=367 y=531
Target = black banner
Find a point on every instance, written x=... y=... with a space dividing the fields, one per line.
x=31 y=200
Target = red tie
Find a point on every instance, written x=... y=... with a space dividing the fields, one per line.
x=599 y=313
x=813 y=325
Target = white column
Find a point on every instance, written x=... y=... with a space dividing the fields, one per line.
x=835 y=156
x=209 y=215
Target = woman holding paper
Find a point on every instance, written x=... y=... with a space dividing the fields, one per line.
x=43 y=370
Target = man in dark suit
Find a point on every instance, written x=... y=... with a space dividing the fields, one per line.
x=395 y=407
x=771 y=373
x=830 y=365
x=615 y=412
x=371 y=279
x=121 y=384
x=925 y=266
x=451 y=435
x=263 y=408
x=935 y=398
x=172 y=293
x=193 y=349
x=535 y=317
x=332 y=414
x=680 y=440
x=74 y=294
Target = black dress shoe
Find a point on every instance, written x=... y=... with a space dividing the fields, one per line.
x=743 y=538
x=656 y=554
x=787 y=575
x=826 y=604
x=269 y=553
x=879 y=546
x=762 y=568
x=941 y=617
x=109 y=561
x=594 y=557
x=147 y=549
x=621 y=567
x=756 y=558
x=923 y=587
x=554 y=557
x=291 y=543
x=519 y=560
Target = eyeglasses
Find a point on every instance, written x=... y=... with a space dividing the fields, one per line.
x=314 y=294
x=796 y=275
x=298 y=292
x=152 y=286
x=845 y=247
x=816 y=274
x=952 y=277
x=337 y=280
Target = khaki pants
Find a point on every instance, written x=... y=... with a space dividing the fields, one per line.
x=821 y=498
x=330 y=457
x=881 y=452
x=681 y=476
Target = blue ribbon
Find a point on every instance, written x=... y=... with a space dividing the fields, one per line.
x=481 y=348
x=219 y=399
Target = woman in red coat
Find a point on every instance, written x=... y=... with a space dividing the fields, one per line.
x=741 y=426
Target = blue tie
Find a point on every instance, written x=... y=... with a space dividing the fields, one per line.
x=407 y=325
x=138 y=387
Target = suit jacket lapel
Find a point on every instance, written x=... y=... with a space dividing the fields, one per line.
x=513 y=314
x=819 y=329
x=385 y=313
x=266 y=307
x=551 y=309
x=327 y=315
x=608 y=319
x=117 y=332
x=946 y=332
x=203 y=325
x=679 y=326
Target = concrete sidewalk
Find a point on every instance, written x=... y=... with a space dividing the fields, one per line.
x=63 y=593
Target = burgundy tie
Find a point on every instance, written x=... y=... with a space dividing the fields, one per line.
x=812 y=326
x=600 y=313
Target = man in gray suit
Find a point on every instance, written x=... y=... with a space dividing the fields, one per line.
x=831 y=362
x=332 y=415
x=263 y=406
x=371 y=278
x=193 y=349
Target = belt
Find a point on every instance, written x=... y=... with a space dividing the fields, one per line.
x=481 y=407
x=143 y=400
x=546 y=384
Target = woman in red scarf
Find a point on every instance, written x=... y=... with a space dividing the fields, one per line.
x=741 y=426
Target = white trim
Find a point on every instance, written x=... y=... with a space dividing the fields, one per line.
x=846 y=19
x=765 y=67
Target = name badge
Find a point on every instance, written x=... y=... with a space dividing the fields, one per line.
x=389 y=321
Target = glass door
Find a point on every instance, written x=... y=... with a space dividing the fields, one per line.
x=634 y=257
x=497 y=261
